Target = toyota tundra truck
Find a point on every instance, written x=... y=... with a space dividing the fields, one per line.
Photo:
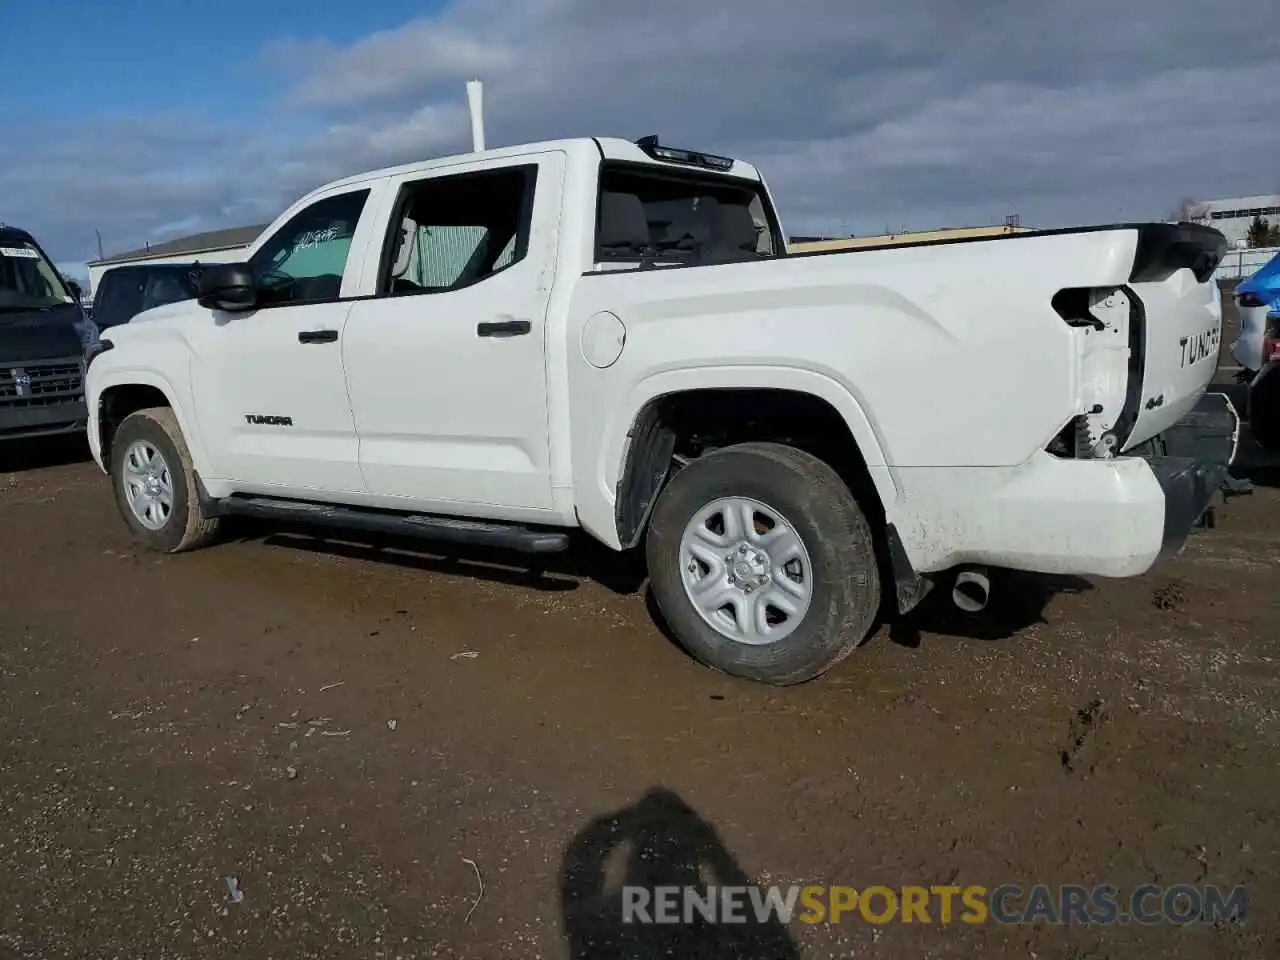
x=502 y=347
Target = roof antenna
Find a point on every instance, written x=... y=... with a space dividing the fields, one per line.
x=475 y=101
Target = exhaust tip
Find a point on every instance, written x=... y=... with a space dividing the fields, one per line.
x=972 y=590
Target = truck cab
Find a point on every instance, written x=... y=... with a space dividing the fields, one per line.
x=43 y=332
x=608 y=336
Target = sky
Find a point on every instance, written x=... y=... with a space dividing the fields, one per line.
x=143 y=121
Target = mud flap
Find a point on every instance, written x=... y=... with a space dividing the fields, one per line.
x=909 y=587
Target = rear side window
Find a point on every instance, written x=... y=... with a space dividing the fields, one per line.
x=647 y=214
x=459 y=230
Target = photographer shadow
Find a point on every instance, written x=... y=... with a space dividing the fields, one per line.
x=658 y=842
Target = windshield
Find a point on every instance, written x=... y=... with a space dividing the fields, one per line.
x=28 y=281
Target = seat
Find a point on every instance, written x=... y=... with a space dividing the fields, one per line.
x=734 y=235
x=692 y=229
x=623 y=230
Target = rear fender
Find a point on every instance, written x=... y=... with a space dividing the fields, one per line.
x=597 y=473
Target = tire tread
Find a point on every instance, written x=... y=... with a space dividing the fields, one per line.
x=842 y=538
x=198 y=529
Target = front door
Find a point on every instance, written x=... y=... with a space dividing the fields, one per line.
x=271 y=390
x=446 y=365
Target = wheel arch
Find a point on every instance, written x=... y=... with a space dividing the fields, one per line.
x=125 y=393
x=744 y=404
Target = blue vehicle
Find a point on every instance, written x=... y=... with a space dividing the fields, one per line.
x=1258 y=350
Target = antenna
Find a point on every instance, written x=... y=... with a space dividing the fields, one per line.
x=475 y=102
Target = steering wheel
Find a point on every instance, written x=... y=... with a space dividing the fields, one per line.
x=277 y=282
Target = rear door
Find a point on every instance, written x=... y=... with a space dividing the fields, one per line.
x=446 y=363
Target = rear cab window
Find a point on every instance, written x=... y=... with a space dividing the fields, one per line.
x=650 y=214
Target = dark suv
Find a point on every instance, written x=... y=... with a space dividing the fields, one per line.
x=43 y=333
x=124 y=292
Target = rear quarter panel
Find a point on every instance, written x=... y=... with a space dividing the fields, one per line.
x=938 y=355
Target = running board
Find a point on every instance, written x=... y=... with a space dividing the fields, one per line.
x=450 y=529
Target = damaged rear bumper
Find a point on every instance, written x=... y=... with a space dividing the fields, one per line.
x=1110 y=518
x=1191 y=461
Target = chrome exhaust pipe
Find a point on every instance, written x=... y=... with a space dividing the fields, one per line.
x=972 y=590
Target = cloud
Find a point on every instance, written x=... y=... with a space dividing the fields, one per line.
x=863 y=115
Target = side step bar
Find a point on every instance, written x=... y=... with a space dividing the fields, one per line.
x=449 y=529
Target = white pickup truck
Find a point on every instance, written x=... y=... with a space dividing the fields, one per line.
x=499 y=347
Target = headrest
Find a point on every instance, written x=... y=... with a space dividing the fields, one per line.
x=622 y=222
x=692 y=227
x=406 y=243
x=735 y=228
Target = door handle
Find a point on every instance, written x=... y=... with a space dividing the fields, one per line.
x=317 y=336
x=504 y=328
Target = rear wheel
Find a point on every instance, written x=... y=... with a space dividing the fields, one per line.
x=763 y=564
x=154 y=483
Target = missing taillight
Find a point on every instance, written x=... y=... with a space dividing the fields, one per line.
x=1113 y=367
x=1075 y=305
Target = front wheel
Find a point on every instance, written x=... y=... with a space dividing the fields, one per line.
x=155 y=483
x=763 y=564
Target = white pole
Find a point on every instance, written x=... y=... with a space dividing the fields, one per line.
x=475 y=100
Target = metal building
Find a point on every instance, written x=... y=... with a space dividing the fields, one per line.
x=1233 y=216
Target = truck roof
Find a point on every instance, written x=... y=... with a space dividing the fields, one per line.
x=610 y=148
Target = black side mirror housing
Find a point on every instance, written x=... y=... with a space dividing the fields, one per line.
x=228 y=286
x=75 y=288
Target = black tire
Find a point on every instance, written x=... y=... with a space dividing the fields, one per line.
x=818 y=505
x=1262 y=408
x=186 y=527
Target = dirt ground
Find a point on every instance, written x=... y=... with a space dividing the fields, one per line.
x=399 y=754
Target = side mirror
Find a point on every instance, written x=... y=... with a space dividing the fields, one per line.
x=76 y=290
x=228 y=286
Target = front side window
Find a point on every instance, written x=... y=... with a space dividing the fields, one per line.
x=458 y=230
x=306 y=258
x=28 y=281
